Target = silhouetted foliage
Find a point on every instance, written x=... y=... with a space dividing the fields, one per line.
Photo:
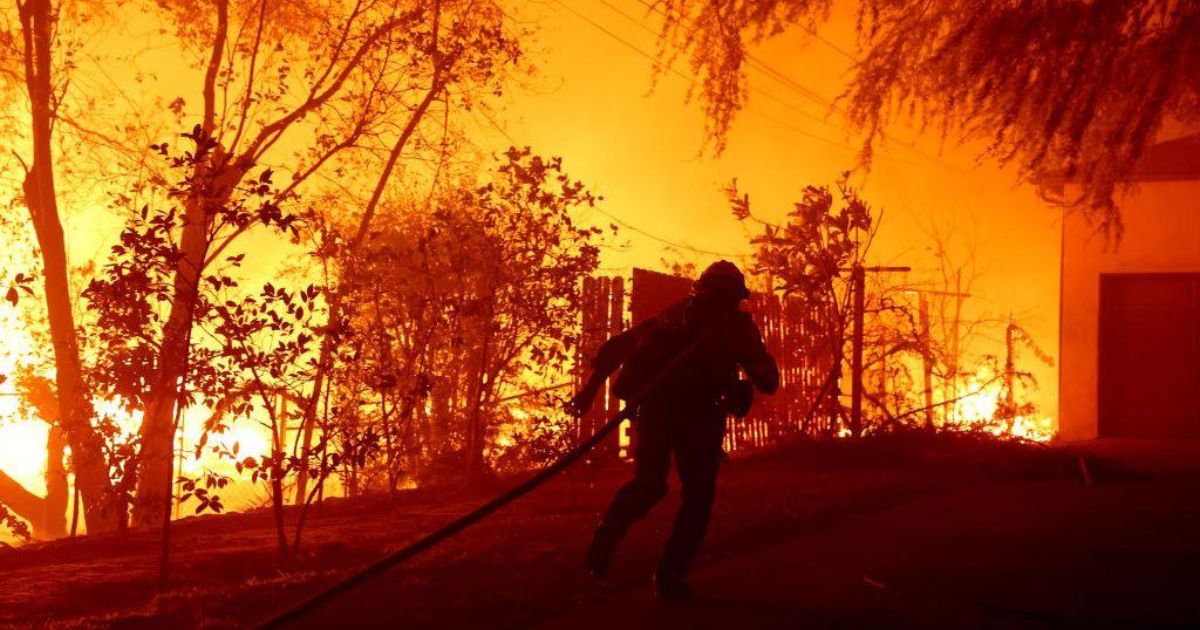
x=807 y=260
x=458 y=304
x=131 y=298
x=20 y=286
x=1066 y=86
x=715 y=36
x=311 y=87
x=14 y=523
x=827 y=231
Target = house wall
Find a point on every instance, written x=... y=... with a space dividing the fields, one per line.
x=1162 y=234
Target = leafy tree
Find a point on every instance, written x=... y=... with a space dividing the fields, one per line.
x=356 y=65
x=806 y=261
x=129 y=302
x=465 y=46
x=264 y=342
x=32 y=49
x=318 y=86
x=1072 y=86
x=458 y=306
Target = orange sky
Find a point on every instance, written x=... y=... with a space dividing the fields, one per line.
x=592 y=104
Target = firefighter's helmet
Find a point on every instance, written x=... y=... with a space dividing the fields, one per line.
x=724 y=279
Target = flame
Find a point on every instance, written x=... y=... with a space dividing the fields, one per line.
x=977 y=409
x=22 y=439
x=23 y=452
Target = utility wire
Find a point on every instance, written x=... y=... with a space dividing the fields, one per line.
x=656 y=61
x=753 y=61
x=798 y=87
x=683 y=76
x=838 y=49
x=661 y=239
x=621 y=222
x=652 y=58
x=690 y=80
x=781 y=122
x=625 y=224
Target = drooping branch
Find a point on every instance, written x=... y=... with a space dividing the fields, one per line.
x=1069 y=89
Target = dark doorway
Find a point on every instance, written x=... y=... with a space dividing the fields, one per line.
x=1149 y=381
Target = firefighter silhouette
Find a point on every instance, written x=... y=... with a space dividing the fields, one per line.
x=680 y=368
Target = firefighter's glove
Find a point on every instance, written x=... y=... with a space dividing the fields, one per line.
x=579 y=404
x=738 y=398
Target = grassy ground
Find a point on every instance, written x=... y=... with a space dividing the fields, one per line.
x=777 y=512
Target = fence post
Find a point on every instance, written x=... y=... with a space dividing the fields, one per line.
x=858 y=286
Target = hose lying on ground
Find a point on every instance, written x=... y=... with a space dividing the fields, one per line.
x=428 y=542
x=478 y=514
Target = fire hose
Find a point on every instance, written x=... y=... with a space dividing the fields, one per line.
x=478 y=514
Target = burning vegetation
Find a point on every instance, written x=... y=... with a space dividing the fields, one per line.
x=425 y=318
x=255 y=255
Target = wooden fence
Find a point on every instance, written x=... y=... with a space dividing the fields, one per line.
x=602 y=316
x=807 y=400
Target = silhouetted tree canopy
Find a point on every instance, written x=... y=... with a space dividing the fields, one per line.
x=1072 y=86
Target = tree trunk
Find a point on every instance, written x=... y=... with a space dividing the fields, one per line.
x=476 y=430
x=330 y=338
x=277 y=499
x=158 y=426
x=47 y=515
x=157 y=434
x=39 y=392
x=213 y=180
x=22 y=502
x=102 y=510
x=54 y=514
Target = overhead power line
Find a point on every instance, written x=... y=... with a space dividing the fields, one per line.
x=779 y=76
x=798 y=87
x=753 y=61
x=838 y=49
x=655 y=60
x=651 y=57
x=621 y=222
x=685 y=77
x=663 y=240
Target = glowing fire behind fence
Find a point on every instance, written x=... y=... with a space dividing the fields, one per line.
x=810 y=400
